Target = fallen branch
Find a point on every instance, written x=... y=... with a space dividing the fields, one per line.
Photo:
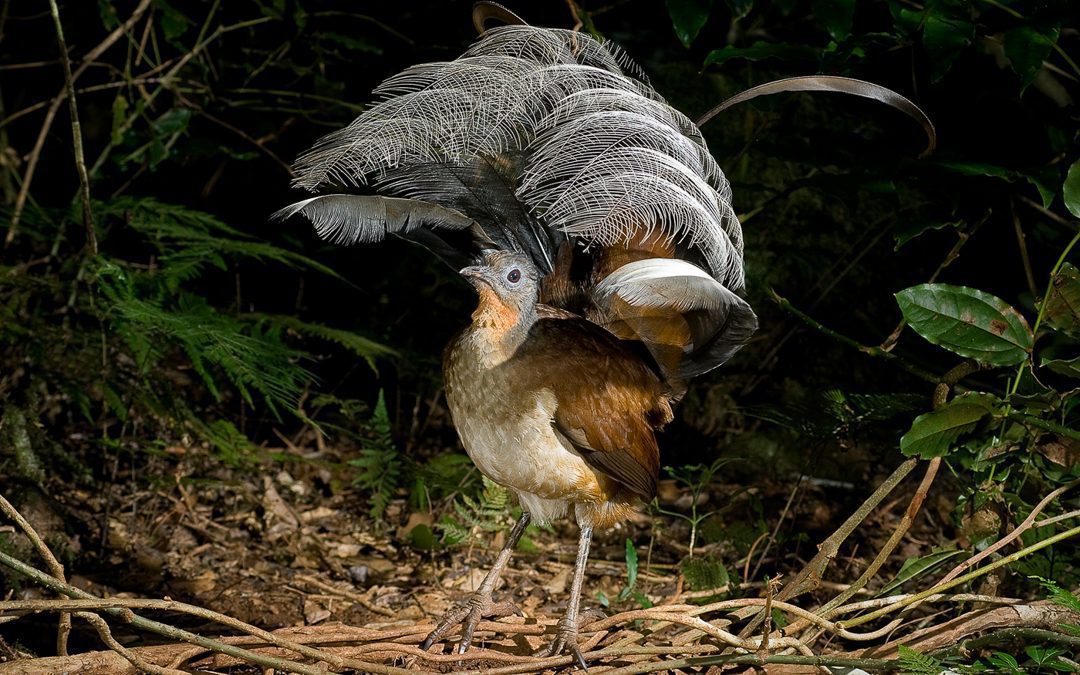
x=1042 y=616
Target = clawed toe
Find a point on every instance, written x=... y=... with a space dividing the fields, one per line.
x=566 y=640
x=468 y=614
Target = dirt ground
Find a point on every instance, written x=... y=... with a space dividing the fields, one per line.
x=288 y=544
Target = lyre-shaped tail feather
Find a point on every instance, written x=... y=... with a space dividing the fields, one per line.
x=541 y=135
x=689 y=322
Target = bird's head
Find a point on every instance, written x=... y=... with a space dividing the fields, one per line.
x=509 y=286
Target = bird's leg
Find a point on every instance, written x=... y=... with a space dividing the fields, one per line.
x=479 y=604
x=566 y=633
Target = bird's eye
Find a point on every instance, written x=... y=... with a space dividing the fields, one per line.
x=514 y=276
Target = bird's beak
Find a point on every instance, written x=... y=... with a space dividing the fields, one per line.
x=475 y=275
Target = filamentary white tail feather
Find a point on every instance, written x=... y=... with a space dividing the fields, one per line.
x=600 y=156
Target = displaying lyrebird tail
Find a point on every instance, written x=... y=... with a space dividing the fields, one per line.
x=600 y=236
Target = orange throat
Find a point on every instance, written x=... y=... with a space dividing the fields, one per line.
x=492 y=313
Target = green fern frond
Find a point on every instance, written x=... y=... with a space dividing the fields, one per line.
x=250 y=358
x=914 y=663
x=365 y=348
x=187 y=239
x=381 y=468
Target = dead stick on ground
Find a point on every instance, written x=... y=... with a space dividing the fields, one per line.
x=106 y=636
x=207 y=643
x=1026 y=525
x=938 y=588
x=57 y=570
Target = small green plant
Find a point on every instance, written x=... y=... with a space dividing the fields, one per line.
x=915 y=663
x=488 y=512
x=630 y=590
x=695 y=477
x=379 y=464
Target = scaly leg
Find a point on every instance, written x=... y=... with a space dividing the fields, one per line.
x=566 y=634
x=479 y=604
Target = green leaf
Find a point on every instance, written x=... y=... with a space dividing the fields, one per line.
x=758 y=51
x=943 y=37
x=631 y=564
x=1062 y=305
x=915 y=567
x=1071 y=189
x=1027 y=49
x=978 y=169
x=836 y=16
x=905 y=233
x=109 y=18
x=119 y=119
x=173 y=22
x=968 y=322
x=932 y=434
x=688 y=17
x=1066 y=367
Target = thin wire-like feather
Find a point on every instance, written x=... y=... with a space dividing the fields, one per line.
x=598 y=155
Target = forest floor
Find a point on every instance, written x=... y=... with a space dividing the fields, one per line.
x=288 y=544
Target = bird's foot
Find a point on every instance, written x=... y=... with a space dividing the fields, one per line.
x=566 y=640
x=468 y=614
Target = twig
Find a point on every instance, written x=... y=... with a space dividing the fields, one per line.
x=76 y=132
x=1071 y=224
x=869 y=665
x=106 y=636
x=208 y=643
x=962 y=238
x=775 y=531
x=894 y=540
x=1021 y=242
x=63 y=629
x=1006 y=635
x=839 y=337
x=1024 y=526
x=938 y=588
x=50 y=115
x=810 y=577
x=345 y=593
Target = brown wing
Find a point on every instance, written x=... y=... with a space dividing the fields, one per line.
x=610 y=403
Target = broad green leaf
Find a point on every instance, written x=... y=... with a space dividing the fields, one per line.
x=1071 y=189
x=932 y=434
x=968 y=322
x=1026 y=49
x=688 y=17
x=905 y=233
x=758 y=51
x=836 y=16
x=173 y=21
x=978 y=169
x=944 y=36
x=631 y=564
x=1062 y=311
x=1066 y=367
x=915 y=567
x=1045 y=180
